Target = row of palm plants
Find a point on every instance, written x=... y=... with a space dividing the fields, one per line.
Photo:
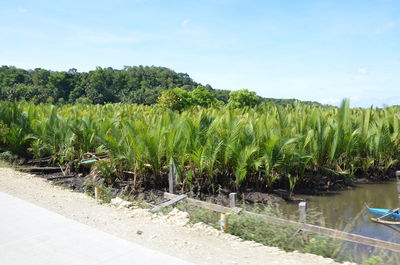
x=257 y=148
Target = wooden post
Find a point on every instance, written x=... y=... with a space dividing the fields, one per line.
x=224 y=222
x=398 y=183
x=97 y=193
x=172 y=179
x=303 y=211
x=232 y=199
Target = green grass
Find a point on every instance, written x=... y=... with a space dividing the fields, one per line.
x=253 y=228
x=288 y=238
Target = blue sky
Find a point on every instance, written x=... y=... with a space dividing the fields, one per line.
x=310 y=50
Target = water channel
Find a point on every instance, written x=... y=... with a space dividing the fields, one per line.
x=345 y=210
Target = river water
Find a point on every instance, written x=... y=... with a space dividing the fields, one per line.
x=345 y=210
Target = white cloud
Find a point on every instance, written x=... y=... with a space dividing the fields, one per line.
x=185 y=22
x=331 y=101
x=354 y=99
x=21 y=10
x=395 y=101
x=338 y=101
x=107 y=37
x=362 y=71
x=387 y=27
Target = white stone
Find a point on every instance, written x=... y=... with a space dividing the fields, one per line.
x=120 y=203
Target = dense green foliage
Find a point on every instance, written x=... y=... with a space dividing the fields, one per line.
x=180 y=99
x=136 y=84
x=243 y=98
x=175 y=99
x=211 y=148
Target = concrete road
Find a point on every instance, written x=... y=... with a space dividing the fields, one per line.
x=35 y=236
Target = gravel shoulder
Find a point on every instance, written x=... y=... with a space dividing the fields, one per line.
x=171 y=233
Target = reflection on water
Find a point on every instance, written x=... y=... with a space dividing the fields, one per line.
x=345 y=210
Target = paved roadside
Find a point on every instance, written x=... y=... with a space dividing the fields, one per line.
x=33 y=235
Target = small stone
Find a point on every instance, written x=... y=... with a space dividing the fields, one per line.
x=139 y=232
x=120 y=203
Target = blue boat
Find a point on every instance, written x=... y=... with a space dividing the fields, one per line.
x=381 y=212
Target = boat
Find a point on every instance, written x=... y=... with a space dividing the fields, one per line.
x=392 y=214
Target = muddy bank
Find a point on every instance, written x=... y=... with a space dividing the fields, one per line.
x=85 y=183
x=80 y=183
x=83 y=178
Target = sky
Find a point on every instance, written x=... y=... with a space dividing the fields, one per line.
x=305 y=49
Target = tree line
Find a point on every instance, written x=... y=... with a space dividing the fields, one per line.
x=132 y=84
x=136 y=84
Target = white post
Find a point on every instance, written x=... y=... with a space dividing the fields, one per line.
x=303 y=211
x=232 y=199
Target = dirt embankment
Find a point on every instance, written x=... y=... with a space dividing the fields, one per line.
x=171 y=233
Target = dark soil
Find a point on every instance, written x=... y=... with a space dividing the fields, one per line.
x=79 y=179
x=259 y=197
x=80 y=183
x=73 y=182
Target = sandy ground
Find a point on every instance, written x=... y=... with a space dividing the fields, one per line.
x=171 y=234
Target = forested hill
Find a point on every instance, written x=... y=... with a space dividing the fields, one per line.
x=136 y=84
x=133 y=84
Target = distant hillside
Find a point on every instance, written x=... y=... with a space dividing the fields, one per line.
x=284 y=101
x=133 y=84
